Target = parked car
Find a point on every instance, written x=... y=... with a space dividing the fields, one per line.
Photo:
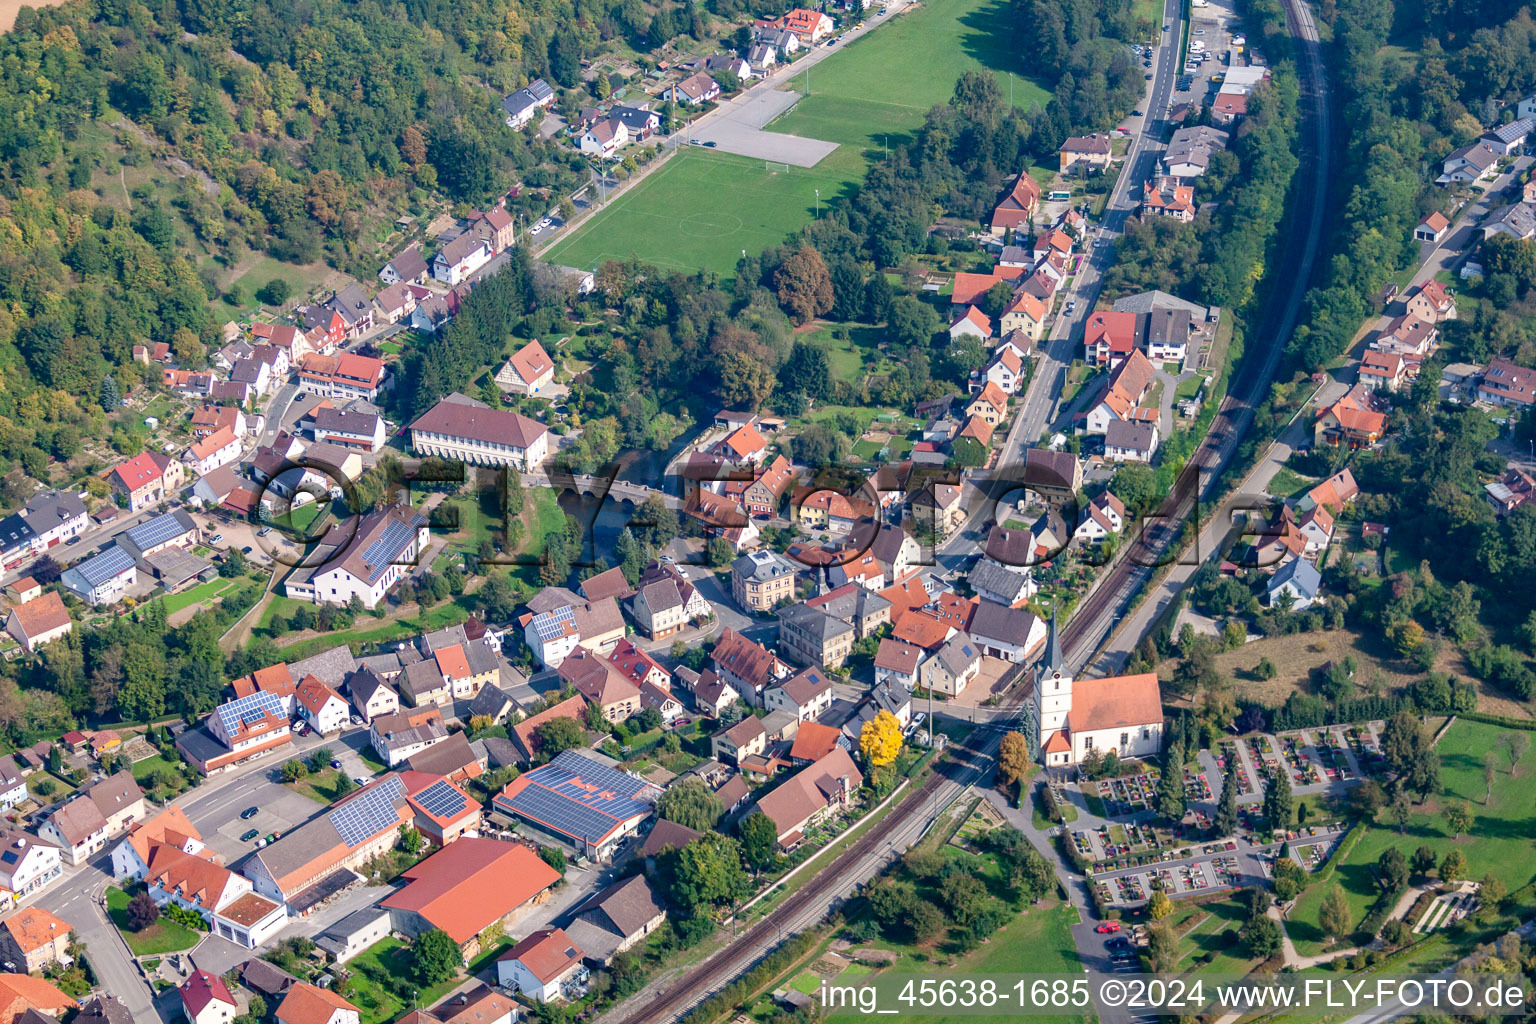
x=361 y=780
x=1108 y=928
x=335 y=762
x=217 y=538
x=249 y=813
x=73 y=540
x=272 y=838
x=252 y=834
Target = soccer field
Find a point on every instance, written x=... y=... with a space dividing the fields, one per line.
x=700 y=211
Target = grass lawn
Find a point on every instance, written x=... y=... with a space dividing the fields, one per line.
x=1189 y=387
x=1208 y=938
x=1289 y=483
x=851 y=356
x=1041 y=937
x=542 y=516
x=379 y=964
x=196 y=595
x=674 y=218
x=365 y=632
x=164 y=936
x=806 y=981
x=1498 y=843
x=322 y=787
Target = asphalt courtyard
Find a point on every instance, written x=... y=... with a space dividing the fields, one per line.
x=739 y=130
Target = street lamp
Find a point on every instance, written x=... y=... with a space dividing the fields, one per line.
x=818 y=203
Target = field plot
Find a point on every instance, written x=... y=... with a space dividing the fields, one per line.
x=705 y=207
x=700 y=211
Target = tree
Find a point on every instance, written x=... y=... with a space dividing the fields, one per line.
x=1014 y=764
x=435 y=957
x=410 y=841
x=557 y=735
x=554 y=857
x=294 y=770
x=344 y=784
x=804 y=285
x=925 y=921
x=1162 y=947
x=1423 y=861
x=720 y=553
x=1453 y=866
x=1458 y=817
x=691 y=804
x=911 y=321
x=1333 y=915
x=1392 y=870
x=808 y=370
x=964 y=895
x=275 y=292
x=1226 y=806
x=1279 y=801
x=111 y=396
x=1290 y=878
x=143 y=911
x=759 y=840
x=706 y=872
x=1262 y=937
x=1517 y=743
x=1160 y=906
x=880 y=739
x=1266 y=669
x=1409 y=753
x=1171 y=800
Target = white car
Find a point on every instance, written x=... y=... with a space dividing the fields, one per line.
x=361 y=780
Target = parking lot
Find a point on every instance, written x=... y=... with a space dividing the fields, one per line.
x=1212 y=31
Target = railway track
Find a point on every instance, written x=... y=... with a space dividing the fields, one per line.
x=1094 y=621
x=812 y=901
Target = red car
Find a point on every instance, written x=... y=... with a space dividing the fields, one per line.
x=1108 y=927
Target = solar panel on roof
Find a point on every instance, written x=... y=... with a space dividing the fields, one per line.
x=553 y=623
x=579 y=796
x=382 y=552
x=441 y=799
x=369 y=813
x=248 y=709
x=105 y=566
x=157 y=531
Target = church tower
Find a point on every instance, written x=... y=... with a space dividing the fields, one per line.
x=1053 y=701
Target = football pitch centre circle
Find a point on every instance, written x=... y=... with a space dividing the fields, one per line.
x=710 y=224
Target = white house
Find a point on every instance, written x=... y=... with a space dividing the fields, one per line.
x=604 y=137
x=1103 y=517
x=520 y=107
x=973 y=323
x=102 y=579
x=27 y=864
x=540 y=965
x=321 y=706
x=1130 y=442
x=1297 y=581
x=386 y=545
x=218 y=449
x=460 y=258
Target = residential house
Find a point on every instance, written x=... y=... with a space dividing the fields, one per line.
x=205 y=999
x=898 y=661
x=1109 y=337
x=464 y=430
x=814 y=638
x=220 y=448
x=604 y=138
x=346 y=376
x=1016 y=210
x=895 y=551
x=1135 y=441
x=39 y=622
x=400 y=736
x=1508 y=385
x=1295 y=584
x=806 y=695
x=398 y=301
x=366 y=561
x=1167 y=335
x=597 y=679
x=82 y=826
x=529 y=370
x=540 y=965
x=28 y=1000
x=1477 y=161
x=973 y=323
x=1353 y=420
x=1515 y=488
x=494 y=227
x=744 y=444
x=1509 y=139
x=34 y=938
x=1432 y=302
x=858 y=605
x=939 y=507
x=809 y=26
x=1127 y=385
x=520 y=107
x=952 y=666
x=1333 y=493
x=1103 y=517
x=761 y=495
x=1407 y=335
x=823 y=788
x=1024 y=316
x=322 y=707
x=146 y=478
x=1383 y=370
x=310 y=1004
x=1190 y=150
x=1056 y=476
x=990 y=406
x=746 y=666
x=27 y=864
x=460 y=258
x=355 y=933
x=432 y=312
x=408 y=267
x=209 y=419
x=696 y=89
x=734 y=744
x=1004 y=370
x=1316 y=526
x=1086 y=154
x=761 y=580
x=102 y=579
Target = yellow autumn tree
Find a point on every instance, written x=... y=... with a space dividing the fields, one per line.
x=880 y=739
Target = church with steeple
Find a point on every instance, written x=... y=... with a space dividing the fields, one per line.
x=1071 y=717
